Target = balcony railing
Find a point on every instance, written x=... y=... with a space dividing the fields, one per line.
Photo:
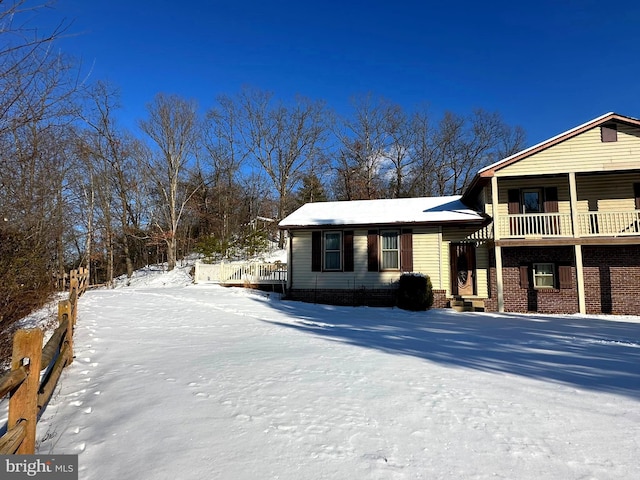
x=535 y=225
x=609 y=224
x=589 y=224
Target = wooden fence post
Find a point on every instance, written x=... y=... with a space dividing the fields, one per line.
x=64 y=312
x=23 y=404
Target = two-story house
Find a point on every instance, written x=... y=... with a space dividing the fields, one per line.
x=566 y=212
x=554 y=228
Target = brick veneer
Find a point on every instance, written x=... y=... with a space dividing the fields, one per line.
x=440 y=299
x=611 y=276
x=612 y=279
x=359 y=297
x=355 y=297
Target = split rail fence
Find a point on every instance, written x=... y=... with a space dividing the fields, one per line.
x=35 y=371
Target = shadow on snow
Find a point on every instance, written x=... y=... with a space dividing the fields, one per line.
x=586 y=352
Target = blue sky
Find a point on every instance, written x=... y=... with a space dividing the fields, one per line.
x=545 y=65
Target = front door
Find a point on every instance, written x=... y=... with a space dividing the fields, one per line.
x=463 y=269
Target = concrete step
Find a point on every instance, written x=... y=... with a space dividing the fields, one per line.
x=466 y=304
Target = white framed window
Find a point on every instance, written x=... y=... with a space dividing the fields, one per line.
x=544 y=275
x=390 y=249
x=333 y=250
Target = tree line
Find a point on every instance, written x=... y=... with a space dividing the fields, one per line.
x=78 y=188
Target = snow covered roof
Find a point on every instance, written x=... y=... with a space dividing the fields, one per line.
x=382 y=212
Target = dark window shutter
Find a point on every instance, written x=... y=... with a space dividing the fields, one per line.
x=565 y=276
x=406 y=250
x=316 y=251
x=347 y=248
x=551 y=199
x=609 y=133
x=514 y=201
x=372 y=251
x=636 y=193
x=524 y=276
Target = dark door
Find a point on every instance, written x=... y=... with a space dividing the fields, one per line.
x=463 y=269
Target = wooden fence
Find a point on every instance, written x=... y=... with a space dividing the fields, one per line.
x=28 y=390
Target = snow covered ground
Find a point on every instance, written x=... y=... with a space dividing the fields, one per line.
x=179 y=381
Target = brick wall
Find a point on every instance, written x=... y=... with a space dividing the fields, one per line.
x=518 y=299
x=359 y=297
x=612 y=279
x=440 y=299
x=611 y=276
x=354 y=297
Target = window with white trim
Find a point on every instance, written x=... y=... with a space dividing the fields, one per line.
x=390 y=249
x=333 y=250
x=543 y=275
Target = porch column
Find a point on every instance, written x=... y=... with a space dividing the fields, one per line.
x=499 y=284
x=573 y=196
x=573 y=201
x=582 y=307
x=497 y=249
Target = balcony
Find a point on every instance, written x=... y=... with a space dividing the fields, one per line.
x=535 y=225
x=588 y=224
x=609 y=224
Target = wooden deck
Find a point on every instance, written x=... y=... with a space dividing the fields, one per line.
x=249 y=273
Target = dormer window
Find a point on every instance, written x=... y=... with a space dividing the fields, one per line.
x=609 y=132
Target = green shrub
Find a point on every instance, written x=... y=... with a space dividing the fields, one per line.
x=415 y=292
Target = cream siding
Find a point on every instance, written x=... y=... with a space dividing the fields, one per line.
x=599 y=192
x=582 y=153
x=427 y=252
x=562 y=184
x=607 y=193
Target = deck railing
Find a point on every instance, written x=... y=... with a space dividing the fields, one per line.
x=589 y=224
x=241 y=273
x=609 y=224
x=535 y=225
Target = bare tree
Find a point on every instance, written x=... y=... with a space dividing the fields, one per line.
x=283 y=140
x=400 y=158
x=113 y=152
x=173 y=127
x=421 y=181
x=29 y=69
x=364 y=142
x=465 y=144
x=226 y=154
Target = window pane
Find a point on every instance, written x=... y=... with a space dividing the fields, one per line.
x=531 y=201
x=332 y=241
x=390 y=259
x=544 y=281
x=544 y=268
x=332 y=260
x=543 y=275
x=389 y=240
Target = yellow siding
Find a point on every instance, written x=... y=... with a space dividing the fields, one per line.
x=303 y=277
x=598 y=192
x=562 y=183
x=426 y=254
x=606 y=192
x=583 y=153
x=425 y=260
x=430 y=257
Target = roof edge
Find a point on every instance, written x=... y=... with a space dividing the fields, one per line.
x=490 y=170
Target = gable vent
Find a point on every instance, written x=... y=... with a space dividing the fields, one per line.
x=609 y=132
